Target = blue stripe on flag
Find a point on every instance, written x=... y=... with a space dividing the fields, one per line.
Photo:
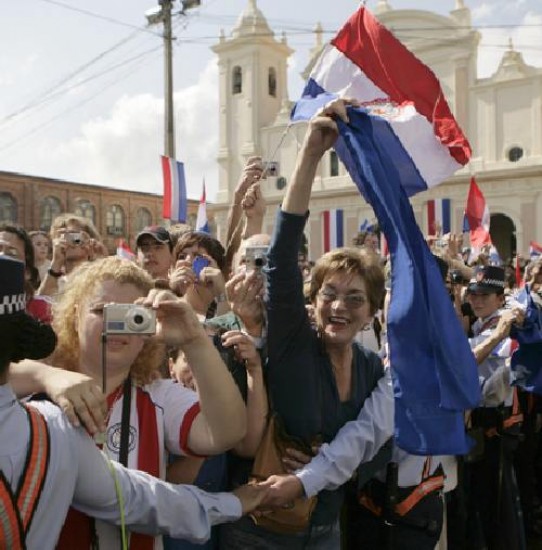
x=340 y=227
x=446 y=216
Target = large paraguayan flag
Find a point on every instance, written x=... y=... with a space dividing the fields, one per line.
x=175 y=203
x=438 y=216
x=403 y=140
x=332 y=229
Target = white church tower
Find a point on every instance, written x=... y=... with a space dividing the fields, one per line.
x=253 y=83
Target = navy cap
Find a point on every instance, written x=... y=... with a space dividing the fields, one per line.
x=487 y=280
x=12 y=295
x=157 y=232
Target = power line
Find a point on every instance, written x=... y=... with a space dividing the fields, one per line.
x=102 y=17
x=54 y=118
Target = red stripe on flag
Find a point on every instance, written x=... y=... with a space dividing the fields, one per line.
x=166 y=173
x=431 y=227
x=327 y=231
x=402 y=76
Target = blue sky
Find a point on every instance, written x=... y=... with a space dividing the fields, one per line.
x=82 y=93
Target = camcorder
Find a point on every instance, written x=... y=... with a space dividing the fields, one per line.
x=129 y=319
x=256 y=257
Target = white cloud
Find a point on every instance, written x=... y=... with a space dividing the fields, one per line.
x=483 y=11
x=122 y=148
x=526 y=38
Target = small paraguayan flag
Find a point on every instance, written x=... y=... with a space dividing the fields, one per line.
x=175 y=204
x=438 y=216
x=333 y=229
x=535 y=250
x=202 y=224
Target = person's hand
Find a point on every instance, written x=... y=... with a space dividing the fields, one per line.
x=97 y=250
x=281 y=491
x=79 y=397
x=509 y=317
x=176 y=321
x=251 y=496
x=322 y=131
x=454 y=245
x=59 y=254
x=213 y=279
x=181 y=277
x=243 y=347
x=244 y=292
x=294 y=459
x=253 y=202
x=252 y=172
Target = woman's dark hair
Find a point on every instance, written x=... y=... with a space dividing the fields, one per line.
x=20 y=233
x=213 y=246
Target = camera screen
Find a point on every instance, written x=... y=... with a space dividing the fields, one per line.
x=199 y=263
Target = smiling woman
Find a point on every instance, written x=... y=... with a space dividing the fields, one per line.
x=161 y=416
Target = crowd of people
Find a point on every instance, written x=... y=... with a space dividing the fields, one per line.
x=143 y=403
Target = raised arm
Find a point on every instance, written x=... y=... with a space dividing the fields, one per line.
x=221 y=424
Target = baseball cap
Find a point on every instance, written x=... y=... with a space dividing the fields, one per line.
x=157 y=232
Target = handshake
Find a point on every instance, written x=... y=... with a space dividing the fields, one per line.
x=278 y=491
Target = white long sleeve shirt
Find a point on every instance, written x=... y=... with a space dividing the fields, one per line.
x=79 y=474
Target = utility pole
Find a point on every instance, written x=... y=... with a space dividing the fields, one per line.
x=169 y=118
x=155 y=16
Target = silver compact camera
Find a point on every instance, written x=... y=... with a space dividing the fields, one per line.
x=256 y=257
x=129 y=319
x=74 y=238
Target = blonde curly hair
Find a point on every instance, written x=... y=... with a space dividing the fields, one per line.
x=81 y=284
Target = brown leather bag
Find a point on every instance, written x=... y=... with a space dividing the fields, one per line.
x=268 y=461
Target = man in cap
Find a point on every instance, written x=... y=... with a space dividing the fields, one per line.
x=46 y=465
x=493 y=513
x=154 y=251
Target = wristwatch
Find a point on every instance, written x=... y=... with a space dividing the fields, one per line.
x=53 y=273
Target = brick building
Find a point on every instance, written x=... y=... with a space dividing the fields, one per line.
x=34 y=202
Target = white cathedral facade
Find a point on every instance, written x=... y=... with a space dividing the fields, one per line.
x=501 y=116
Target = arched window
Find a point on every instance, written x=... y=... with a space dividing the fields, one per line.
x=115 y=220
x=86 y=209
x=8 y=208
x=515 y=153
x=143 y=219
x=272 y=82
x=50 y=208
x=237 y=80
x=333 y=164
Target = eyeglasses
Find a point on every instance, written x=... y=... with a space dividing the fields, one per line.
x=351 y=301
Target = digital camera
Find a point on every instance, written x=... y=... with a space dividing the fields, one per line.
x=74 y=238
x=129 y=319
x=256 y=257
x=199 y=263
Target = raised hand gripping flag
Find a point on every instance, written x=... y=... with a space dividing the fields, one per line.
x=438 y=216
x=403 y=140
x=332 y=229
x=175 y=205
x=202 y=224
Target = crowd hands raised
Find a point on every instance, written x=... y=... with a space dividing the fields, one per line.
x=247 y=331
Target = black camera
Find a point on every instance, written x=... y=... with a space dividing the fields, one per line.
x=456 y=277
